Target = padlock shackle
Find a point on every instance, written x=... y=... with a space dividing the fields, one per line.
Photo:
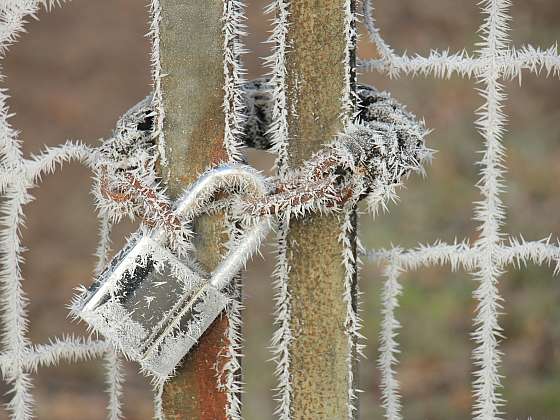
x=236 y=258
x=227 y=176
x=193 y=200
x=233 y=176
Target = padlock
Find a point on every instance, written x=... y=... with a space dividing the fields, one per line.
x=154 y=306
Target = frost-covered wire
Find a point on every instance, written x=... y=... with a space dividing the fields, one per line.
x=461 y=256
x=231 y=371
x=158 y=401
x=68 y=348
x=233 y=103
x=282 y=337
x=388 y=346
x=350 y=35
x=458 y=256
x=131 y=151
x=114 y=381
x=444 y=64
x=353 y=323
x=490 y=213
x=19 y=175
x=277 y=63
x=238 y=116
x=495 y=60
x=519 y=252
x=278 y=132
x=157 y=98
x=113 y=363
x=26 y=173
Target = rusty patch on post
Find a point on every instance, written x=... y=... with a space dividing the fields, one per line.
x=191 y=52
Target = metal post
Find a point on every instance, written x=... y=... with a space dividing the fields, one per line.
x=191 y=56
x=317 y=71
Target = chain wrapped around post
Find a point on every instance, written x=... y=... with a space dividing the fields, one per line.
x=158 y=267
x=366 y=161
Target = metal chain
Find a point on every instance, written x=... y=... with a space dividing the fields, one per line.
x=382 y=145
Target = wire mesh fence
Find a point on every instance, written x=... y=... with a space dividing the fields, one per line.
x=495 y=60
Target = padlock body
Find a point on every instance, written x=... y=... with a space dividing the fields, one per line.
x=151 y=305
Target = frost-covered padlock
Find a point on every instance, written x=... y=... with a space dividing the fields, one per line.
x=153 y=306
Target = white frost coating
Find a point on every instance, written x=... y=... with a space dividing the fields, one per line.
x=234 y=178
x=490 y=213
x=114 y=322
x=234 y=30
x=207 y=308
x=158 y=401
x=443 y=64
x=519 y=253
x=388 y=346
x=348 y=107
x=457 y=255
x=349 y=257
x=497 y=60
x=277 y=64
x=68 y=348
x=157 y=99
x=230 y=374
x=17 y=176
x=114 y=380
x=162 y=360
x=104 y=245
x=279 y=137
x=283 y=335
x=21 y=175
x=113 y=374
x=509 y=251
x=351 y=296
x=232 y=368
x=155 y=12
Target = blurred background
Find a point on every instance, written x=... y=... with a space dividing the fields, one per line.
x=81 y=66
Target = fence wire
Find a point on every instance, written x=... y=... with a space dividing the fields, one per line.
x=496 y=60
